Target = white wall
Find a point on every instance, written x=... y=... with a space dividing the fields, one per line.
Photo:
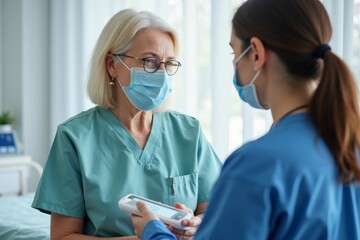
x=11 y=58
x=25 y=73
x=35 y=65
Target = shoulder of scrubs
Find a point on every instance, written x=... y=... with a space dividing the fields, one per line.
x=60 y=188
x=187 y=130
x=156 y=230
x=282 y=186
x=181 y=120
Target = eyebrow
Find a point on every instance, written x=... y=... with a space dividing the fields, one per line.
x=156 y=55
x=149 y=53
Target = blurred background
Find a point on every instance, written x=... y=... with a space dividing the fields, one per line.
x=46 y=45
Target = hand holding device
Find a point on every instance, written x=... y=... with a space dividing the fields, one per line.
x=166 y=213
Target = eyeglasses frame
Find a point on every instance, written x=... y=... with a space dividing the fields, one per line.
x=144 y=60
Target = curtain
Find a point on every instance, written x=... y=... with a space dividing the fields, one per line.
x=203 y=85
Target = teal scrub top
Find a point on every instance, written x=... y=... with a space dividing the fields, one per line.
x=94 y=161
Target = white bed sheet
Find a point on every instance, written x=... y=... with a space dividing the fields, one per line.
x=18 y=221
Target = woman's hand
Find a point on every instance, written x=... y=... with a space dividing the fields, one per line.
x=193 y=222
x=140 y=222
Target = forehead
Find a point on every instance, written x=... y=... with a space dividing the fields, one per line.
x=153 y=41
x=235 y=42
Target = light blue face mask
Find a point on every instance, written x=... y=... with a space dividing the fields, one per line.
x=147 y=91
x=247 y=92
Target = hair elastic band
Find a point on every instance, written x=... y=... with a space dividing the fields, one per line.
x=320 y=50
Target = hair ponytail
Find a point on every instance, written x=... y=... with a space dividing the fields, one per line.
x=335 y=110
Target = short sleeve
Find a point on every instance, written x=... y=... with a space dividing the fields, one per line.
x=60 y=188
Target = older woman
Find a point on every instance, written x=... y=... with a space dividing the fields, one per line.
x=122 y=145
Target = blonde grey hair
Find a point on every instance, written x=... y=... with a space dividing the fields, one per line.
x=117 y=37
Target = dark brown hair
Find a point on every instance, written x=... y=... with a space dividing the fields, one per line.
x=294 y=29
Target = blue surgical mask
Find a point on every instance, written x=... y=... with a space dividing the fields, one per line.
x=147 y=91
x=247 y=92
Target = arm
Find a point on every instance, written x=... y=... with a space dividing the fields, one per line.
x=68 y=228
x=149 y=227
x=200 y=210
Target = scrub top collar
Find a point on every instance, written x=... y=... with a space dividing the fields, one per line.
x=142 y=155
x=290 y=118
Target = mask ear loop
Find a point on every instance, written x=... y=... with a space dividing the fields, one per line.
x=255 y=77
x=122 y=62
x=242 y=54
x=112 y=81
x=125 y=66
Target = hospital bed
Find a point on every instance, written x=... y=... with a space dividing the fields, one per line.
x=19 y=221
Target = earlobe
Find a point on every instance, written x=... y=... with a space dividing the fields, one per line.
x=259 y=50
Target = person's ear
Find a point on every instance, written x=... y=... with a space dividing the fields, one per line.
x=259 y=52
x=110 y=64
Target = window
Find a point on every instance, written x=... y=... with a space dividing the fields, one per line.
x=203 y=85
x=355 y=64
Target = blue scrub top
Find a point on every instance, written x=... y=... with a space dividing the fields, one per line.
x=94 y=161
x=284 y=185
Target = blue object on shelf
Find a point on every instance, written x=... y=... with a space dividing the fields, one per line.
x=8 y=143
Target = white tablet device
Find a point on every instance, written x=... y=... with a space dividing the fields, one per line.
x=166 y=213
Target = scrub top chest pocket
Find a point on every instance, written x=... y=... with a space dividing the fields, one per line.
x=183 y=189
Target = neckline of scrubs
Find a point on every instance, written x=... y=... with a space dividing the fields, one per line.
x=289 y=118
x=142 y=155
